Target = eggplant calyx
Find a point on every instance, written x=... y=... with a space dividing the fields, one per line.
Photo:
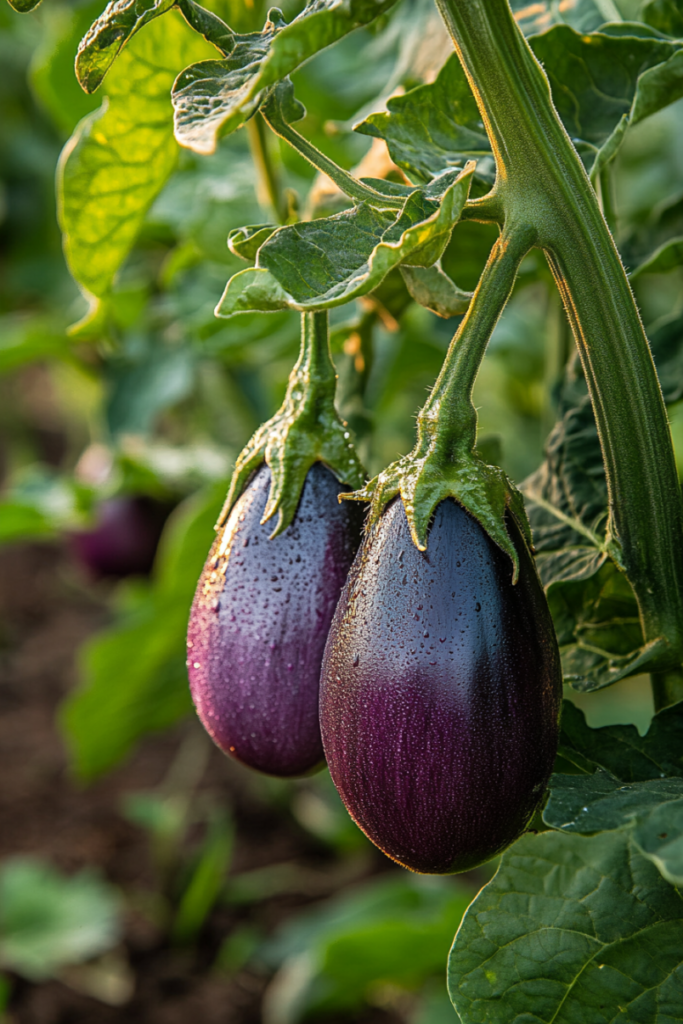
x=423 y=479
x=306 y=429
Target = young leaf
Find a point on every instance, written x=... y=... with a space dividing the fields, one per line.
x=570 y=930
x=215 y=97
x=121 y=156
x=621 y=750
x=323 y=263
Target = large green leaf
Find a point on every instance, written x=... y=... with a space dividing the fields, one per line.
x=434 y=127
x=215 y=97
x=601 y=83
x=570 y=931
x=592 y=603
x=621 y=750
x=324 y=263
x=121 y=156
x=601 y=803
x=133 y=675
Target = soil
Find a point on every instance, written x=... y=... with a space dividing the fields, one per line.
x=46 y=612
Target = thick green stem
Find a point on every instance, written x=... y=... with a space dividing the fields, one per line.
x=268 y=175
x=314 y=365
x=449 y=415
x=543 y=187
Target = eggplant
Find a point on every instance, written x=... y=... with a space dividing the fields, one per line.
x=440 y=692
x=124 y=539
x=260 y=620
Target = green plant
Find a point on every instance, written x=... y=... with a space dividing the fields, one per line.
x=511 y=150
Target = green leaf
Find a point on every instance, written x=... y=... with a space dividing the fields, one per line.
x=597 y=80
x=593 y=606
x=434 y=127
x=570 y=930
x=140 y=387
x=621 y=750
x=105 y=39
x=433 y=289
x=49 y=921
x=207 y=881
x=664 y=259
x=20 y=522
x=324 y=263
x=601 y=803
x=601 y=83
x=133 y=675
x=215 y=97
x=396 y=931
x=24 y=6
x=121 y=156
x=664 y=15
x=583 y=15
x=245 y=242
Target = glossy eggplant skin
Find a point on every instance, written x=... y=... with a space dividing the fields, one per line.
x=440 y=693
x=259 y=622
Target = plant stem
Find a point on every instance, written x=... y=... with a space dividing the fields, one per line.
x=314 y=364
x=349 y=185
x=543 y=186
x=267 y=172
x=449 y=415
x=607 y=198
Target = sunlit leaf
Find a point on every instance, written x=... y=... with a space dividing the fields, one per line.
x=571 y=930
x=120 y=157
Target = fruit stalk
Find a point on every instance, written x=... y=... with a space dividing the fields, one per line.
x=448 y=418
x=542 y=186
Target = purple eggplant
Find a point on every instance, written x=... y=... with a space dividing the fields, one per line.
x=440 y=692
x=124 y=539
x=259 y=622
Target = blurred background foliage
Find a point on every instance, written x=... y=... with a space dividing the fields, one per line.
x=133 y=431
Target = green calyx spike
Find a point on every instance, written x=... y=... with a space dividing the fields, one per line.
x=445 y=462
x=306 y=429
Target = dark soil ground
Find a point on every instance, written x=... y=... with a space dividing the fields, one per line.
x=45 y=614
